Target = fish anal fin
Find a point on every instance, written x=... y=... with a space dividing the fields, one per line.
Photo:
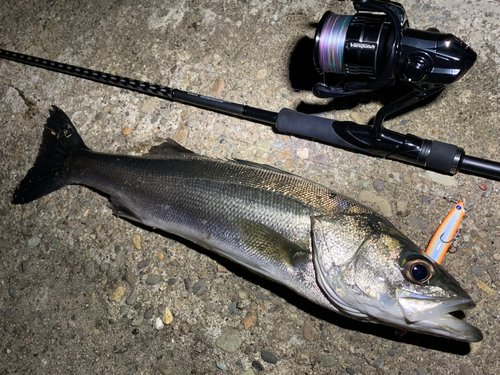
x=121 y=210
x=167 y=148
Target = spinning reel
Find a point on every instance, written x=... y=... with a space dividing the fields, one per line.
x=373 y=50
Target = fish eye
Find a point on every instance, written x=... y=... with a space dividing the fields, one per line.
x=418 y=271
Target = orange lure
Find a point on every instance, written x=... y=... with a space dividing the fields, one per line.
x=446 y=233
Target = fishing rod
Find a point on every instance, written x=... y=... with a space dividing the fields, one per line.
x=371 y=49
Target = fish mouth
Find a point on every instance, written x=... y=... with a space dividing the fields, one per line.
x=441 y=317
x=449 y=325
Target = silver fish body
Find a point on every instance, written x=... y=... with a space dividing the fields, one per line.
x=326 y=247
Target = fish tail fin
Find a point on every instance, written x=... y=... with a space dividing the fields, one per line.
x=60 y=144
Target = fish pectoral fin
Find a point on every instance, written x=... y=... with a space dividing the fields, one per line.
x=166 y=148
x=269 y=249
x=121 y=210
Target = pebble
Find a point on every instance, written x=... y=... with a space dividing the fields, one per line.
x=137 y=321
x=187 y=284
x=421 y=372
x=23 y=266
x=131 y=279
x=33 y=241
x=356 y=116
x=149 y=313
x=233 y=310
x=229 y=340
x=248 y=372
x=379 y=361
x=199 y=287
x=136 y=239
x=143 y=263
x=112 y=273
x=217 y=88
x=476 y=270
x=402 y=209
x=135 y=331
x=14 y=292
x=350 y=371
x=327 y=361
x=303 y=153
x=237 y=57
x=242 y=294
x=167 y=316
x=378 y=185
x=117 y=294
x=8 y=313
x=243 y=304
x=309 y=332
x=54 y=244
x=131 y=299
x=158 y=324
x=153 y=279
x=124 y=309
x=485 y=288
x=126 y=130
x=262 y=296
x=493 y=275
x=268 y=357
x=7 y=327
x=249 y=321
x=257 y=365
x=222 y=366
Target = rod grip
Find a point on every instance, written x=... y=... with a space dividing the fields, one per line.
x=312 y=127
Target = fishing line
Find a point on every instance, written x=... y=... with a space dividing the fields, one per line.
x=331 y=42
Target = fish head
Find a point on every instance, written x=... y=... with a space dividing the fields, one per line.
x=370 y=271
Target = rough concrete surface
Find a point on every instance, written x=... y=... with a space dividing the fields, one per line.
x=81 y=290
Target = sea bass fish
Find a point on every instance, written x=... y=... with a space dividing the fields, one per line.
x=327 y=248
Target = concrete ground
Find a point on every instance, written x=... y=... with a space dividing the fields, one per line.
x=65 y=259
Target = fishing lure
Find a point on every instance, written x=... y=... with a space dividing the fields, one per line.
x=446 y=233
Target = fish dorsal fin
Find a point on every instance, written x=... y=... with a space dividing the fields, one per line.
x=167 y=148
x=261 y=166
